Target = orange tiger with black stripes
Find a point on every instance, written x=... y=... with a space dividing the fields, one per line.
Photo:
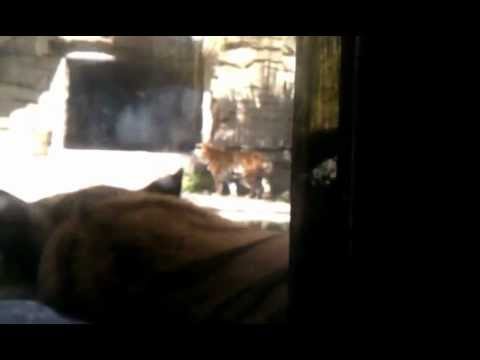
x=250 y=167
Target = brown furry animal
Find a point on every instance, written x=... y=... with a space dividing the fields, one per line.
x=111 y=255
x=251 y=166
x=126 y=260
x=25 y=228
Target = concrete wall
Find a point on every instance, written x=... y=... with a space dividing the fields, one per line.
x=26 y=69
x=34 y=77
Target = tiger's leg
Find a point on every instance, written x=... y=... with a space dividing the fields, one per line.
x=220 y=180
x=263 y=189
x=218 y=186
x=258 y=188
x=252 y=183
x=266 y=188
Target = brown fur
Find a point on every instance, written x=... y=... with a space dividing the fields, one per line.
x=112 y=255
x=251 y=165
x=127 y=252
x=25 y=228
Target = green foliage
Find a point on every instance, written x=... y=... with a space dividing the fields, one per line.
x=197 y=182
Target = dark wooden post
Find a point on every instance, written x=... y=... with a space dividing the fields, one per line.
x=321 y=164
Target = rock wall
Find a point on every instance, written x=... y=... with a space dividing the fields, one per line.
x=251 y=79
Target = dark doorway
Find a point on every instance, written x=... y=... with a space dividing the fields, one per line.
x=130 y=106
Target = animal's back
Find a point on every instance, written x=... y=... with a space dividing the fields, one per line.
x=153 y=256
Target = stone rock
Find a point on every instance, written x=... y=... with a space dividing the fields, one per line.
x=18 y=93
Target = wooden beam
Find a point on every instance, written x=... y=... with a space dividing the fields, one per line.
x=319 y=224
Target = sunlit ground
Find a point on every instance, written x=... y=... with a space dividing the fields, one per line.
x=32 y=178
x=244 y=209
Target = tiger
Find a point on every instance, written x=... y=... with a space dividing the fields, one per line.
x=250 y=167
x=110 y=255
x=25 y=227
